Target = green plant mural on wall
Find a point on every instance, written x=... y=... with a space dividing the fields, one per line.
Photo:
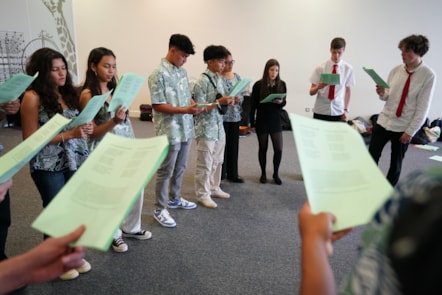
x=67 y=45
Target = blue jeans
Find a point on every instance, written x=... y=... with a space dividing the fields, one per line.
x=49 y=183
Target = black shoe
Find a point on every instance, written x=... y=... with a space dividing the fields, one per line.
x=236 y=179
x=277 y=179
x=263 y=179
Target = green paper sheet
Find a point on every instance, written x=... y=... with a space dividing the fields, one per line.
x=376 y=78
x=16 y=158
x=273 y=96
x=436 y=158
x=331 y=79
x=12 y=88
x=127 y=88
x=339 y=174
x=239 y=87
x=90 y=111
x=426 y=147
x=103 y=190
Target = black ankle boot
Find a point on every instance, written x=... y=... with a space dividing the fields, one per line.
x=277 y=179
x=263 y=178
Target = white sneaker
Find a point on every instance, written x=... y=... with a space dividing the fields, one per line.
x=69 y=275
x=85 y=267
x=219 y=193
x=208 y=202
x=140 y=235
x=163 y=217
x=119 y=246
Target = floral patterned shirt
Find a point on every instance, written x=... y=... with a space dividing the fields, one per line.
x=209 y=125
x=373 y=273
x=233 y=113
x=169 y=84
x=123 y=129
x=63 y=155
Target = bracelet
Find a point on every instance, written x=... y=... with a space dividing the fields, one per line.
x=346 y=110
x=62 y=137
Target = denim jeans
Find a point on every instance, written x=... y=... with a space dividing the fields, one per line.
x=49 y=183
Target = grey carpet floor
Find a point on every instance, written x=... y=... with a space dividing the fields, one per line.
x=248 y=245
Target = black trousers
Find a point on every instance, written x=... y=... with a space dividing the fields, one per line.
x=380 y=137
x=5 y=222
x=230 y=165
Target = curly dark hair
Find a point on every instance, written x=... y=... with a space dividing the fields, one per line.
x=41 y=62
x=417 y=43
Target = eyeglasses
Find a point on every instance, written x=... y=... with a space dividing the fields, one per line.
x=229 y=63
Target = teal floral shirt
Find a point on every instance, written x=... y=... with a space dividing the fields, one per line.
x=209 y=125
x=169 y=84
x=68 y=155
x=233 y=113
x=123 y=129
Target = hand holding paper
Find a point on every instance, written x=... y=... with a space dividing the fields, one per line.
x=376 y=78
x=331 y=79
x=339 y=174
x=239 y=87
x=127 y=88
x=104 y=189
x=273 y=96
x=90 y=111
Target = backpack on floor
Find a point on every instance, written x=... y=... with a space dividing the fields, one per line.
x=285 y=120
x=145 y=112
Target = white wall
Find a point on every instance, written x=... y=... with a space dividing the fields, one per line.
x=295 y=32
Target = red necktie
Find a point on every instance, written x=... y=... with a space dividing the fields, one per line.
x=331 y=89
x=404 y=95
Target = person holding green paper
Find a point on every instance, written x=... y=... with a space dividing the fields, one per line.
x=400 y=250
x=173 y=110
x=407 y=103
x=50 y=93
x=231 y=123
x=332 y=101
x=101 y=78
x=8 y=108
x=209 y=128
x=265 y=118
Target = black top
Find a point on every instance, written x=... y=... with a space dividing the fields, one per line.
x=268 y=115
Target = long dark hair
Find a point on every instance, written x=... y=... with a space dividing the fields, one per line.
x=91 y=82
x=264 y=91
x=41 y=62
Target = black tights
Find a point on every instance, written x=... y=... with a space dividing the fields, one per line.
x=263 y=141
